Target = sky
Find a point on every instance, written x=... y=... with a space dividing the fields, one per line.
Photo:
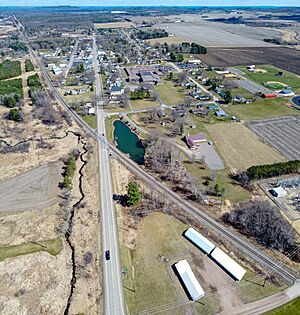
x=151 y=3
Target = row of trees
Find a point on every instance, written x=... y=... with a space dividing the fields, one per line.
x=149 y=34
x=270 y=170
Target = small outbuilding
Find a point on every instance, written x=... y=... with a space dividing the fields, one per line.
x=189 y=280
x=278 y=192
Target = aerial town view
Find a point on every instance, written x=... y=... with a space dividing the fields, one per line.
x=150 y=157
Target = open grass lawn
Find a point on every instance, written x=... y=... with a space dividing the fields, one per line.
x=233 y=191
x=52 y=247
x=148 y=279
x=262 y=109
x=91 y=120
x=170 y=94
x=145 y=103
x=242 y=92
x=251 y=287
x=109 y=128
x=113 y=25
x=291 y=308
x=288 y=78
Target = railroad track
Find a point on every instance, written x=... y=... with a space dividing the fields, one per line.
x=198 y=213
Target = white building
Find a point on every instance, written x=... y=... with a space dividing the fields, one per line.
x=278 y=192
x=231 y=266
x=188 y=278
x=116 y=91
x=199 y=240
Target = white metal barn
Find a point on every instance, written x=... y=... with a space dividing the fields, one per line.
x=231 y=266
x=190 y=282
x=199 y=240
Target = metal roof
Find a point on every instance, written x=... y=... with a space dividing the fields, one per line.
x=190 y=282
x=199 y=240
x=231 y=266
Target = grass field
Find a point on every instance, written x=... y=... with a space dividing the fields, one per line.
x=288 y=78
x=53 y=247
x=233 y=192
x=291 y=308
x=145 y=103
x=242 y=92
x=252 y=289
x=262 y=109
x=169 y=94
x=91 y=120
x=113 y=25
x=240 y=147
x=109 y=128
x=149 y=281
x=169 y=40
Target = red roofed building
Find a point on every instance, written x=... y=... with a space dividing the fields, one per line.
x=194 y=140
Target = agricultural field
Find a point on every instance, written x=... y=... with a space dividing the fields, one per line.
x=282 y=133
x=270 y=79
x=169 y=40
x=113 y=25
x=281 y=57
x=214 y=34
x=240 y=147
x=262 y=109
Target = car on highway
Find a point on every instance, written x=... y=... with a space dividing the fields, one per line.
x=107 y=255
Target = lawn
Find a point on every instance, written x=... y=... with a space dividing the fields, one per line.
x=145 y=103
x=91 y=120
x=53 y=247
x=170 y=94
x=262 y=109
x=288 y=78
x=148 y=279
x=109 y=128
x=241 y=92
x=251 y=288
x=291 y=308
x=233 y=191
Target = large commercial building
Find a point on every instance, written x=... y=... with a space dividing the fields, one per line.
x=189 y=280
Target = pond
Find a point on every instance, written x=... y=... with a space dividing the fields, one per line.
x=128 y=142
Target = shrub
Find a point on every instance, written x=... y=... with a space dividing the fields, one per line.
x=15 y=115
x=133 y=194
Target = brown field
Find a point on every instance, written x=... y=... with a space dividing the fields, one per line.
x=240 y=147
x=281 y=57
x=114 y=25
x=168 y=40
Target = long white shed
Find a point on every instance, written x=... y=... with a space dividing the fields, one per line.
x=199 y=240
x=231 y=266
x=188 y=278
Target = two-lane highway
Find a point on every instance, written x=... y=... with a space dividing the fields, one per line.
x=113 y=291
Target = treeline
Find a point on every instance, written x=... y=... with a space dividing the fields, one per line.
x=28 y=65
x=263 y=221
x=270 y=170
x=139 y=94
x=149 y=34
x=10 y=69
x=18 y=46
x=183 y=48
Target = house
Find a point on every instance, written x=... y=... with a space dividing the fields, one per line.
x=199 y=112
x=239 y=99
x=278 y=192
x=57 y=70
x=91 y=111
x=116 y=90
x=194 y=140
x=221 y=113
x=213 y=106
